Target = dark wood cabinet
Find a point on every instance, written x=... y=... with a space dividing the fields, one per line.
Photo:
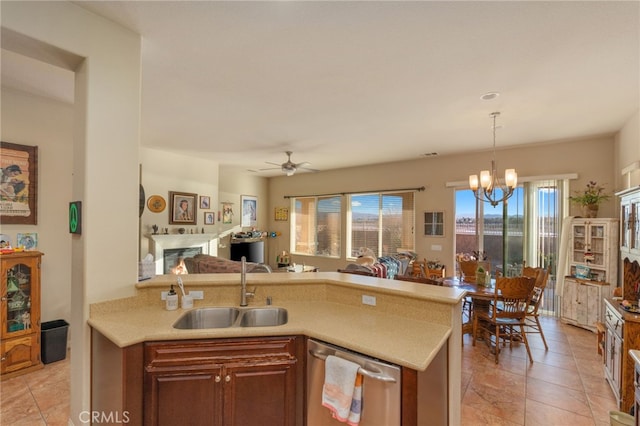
x=222 y=382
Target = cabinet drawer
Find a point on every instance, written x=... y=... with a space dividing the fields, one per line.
x=613 y=321
x=198 y=352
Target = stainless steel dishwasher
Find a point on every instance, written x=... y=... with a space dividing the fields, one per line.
x=381 y=387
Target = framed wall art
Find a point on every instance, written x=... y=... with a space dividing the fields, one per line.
x=205 y=202
x=227 y=213
x=19 y=184
x=209 y=218
x=249 y=210
x=183 y=208
x=434 y=224
x=282 y=213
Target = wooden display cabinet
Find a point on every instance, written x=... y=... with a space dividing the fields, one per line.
x=20 y=313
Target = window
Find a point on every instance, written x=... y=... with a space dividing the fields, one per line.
x=382 y=222
x=316 y=226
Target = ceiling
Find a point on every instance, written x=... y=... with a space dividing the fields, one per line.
x=343 y=84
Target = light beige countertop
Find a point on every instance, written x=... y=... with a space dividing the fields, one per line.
x=635 y=355
x=408 y=325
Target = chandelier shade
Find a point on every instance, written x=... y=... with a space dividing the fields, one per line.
x=484 y=189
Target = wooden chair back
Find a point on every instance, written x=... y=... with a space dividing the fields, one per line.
x=512 y=297
x=541 y=276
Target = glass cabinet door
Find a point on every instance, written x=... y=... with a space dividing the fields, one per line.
x=579 y=243
x=595 y=250
x=18 y=299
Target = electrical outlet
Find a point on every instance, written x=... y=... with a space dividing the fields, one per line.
x=196 y=294
x=163 y=295
x=368 y=300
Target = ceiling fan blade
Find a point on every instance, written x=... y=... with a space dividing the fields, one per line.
x=308 y=169
x=275 y=164
x=304 y=163
x=271 y=168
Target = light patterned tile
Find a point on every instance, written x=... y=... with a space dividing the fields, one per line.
x=538 y=414
x=485 y=402
x=555 y=375
x=558 y=396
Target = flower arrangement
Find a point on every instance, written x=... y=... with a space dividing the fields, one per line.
x=593 y=195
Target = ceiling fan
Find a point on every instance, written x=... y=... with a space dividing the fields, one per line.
x=289 y=167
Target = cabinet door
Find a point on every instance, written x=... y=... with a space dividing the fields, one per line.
x=260 y=394
x=570 y=299
x=182 y=396
x=19 y=353
x=578 y=242
x=587 y=309
x=596 y=245
x=21 y=296
x=617 y=358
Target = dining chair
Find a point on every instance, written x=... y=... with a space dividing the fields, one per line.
x=505 y=319
x=532 y=319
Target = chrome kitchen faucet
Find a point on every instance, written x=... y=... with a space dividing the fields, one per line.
x=244 y=294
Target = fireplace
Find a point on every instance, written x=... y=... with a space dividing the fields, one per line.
x=181 y=245
x=172 y=257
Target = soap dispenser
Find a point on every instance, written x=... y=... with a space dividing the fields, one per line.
x=172 y=299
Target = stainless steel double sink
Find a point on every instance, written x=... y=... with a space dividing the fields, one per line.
x=228 y=316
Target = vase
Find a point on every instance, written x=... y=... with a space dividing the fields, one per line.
x=590 y=210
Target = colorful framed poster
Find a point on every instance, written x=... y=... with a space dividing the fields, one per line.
x=227 y=213
x=18 y=184
x=282 y=213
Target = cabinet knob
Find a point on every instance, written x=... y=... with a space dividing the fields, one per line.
x=4 y=358
x=227 y=378
x=4 y=298
x=218 y=379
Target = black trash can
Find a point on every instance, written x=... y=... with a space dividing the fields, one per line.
x=53 y=340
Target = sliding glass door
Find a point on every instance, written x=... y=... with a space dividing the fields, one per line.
x=523 y=229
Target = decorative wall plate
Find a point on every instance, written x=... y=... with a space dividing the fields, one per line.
x=156 y=203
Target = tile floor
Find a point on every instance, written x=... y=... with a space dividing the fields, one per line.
x=564 y=386
x=37 y=398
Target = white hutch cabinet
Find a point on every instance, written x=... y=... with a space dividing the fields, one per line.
x=592 y=268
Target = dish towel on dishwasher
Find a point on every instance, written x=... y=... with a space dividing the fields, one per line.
x=342 y=390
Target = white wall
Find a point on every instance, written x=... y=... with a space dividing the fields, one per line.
x=47 y=124
x=163 y=172
x=591 y=159
x=234 y=184
x=628 y=152
x=105 y=160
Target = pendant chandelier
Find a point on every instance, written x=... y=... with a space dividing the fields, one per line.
x=485 y=189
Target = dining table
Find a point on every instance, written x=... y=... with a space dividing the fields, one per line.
x=481 y=297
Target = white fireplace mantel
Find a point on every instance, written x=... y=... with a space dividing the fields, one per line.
x=160 y=242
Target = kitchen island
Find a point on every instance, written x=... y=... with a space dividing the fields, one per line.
x=411 y=325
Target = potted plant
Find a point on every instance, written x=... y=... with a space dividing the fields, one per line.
x=590 y=199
